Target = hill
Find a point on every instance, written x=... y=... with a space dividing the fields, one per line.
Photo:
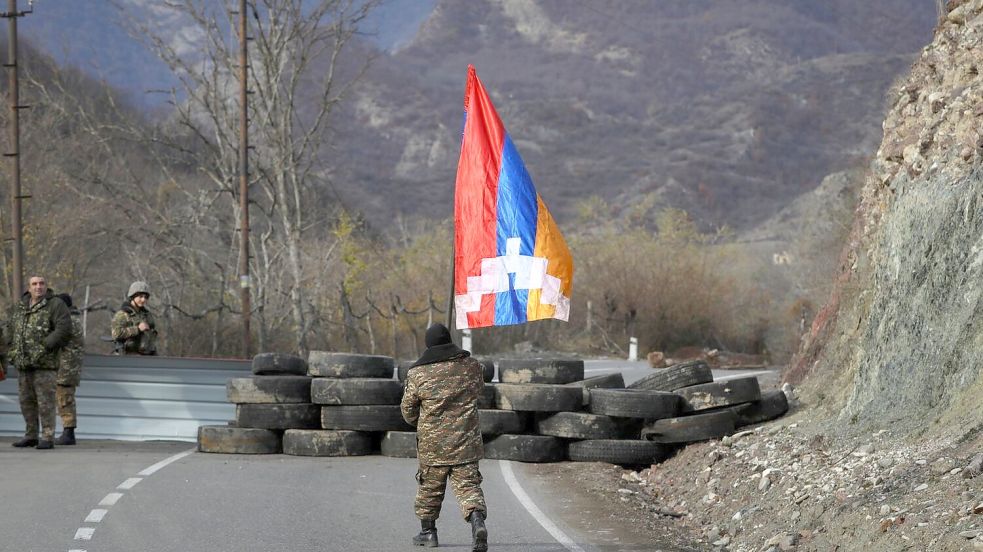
x=727 y=110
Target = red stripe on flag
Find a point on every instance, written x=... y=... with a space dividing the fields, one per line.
x=476 y=193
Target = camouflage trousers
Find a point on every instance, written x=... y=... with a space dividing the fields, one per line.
x=36 y=390
x=65 y=395
x=432 y=481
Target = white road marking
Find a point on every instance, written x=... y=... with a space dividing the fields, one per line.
x=129 y=483
x=110 y=499
x=742 y=375
x=95 y=516
x=534 y=510
x=163 y=463
x=590 y=370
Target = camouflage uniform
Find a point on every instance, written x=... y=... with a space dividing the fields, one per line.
x=125 y=329
x=37 y=333
x=441 y=400
x=70 y=373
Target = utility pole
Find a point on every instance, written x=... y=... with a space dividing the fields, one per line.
x=13 y=101
x=244 y=280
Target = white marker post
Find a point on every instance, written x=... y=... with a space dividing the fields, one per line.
x=466 y=339
x=633 y=348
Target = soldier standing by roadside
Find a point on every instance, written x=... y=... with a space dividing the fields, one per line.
x=441 y=400
x=133 y=325
x=40 y=326
x=69 y=375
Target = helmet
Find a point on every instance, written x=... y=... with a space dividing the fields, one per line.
x=137 y=288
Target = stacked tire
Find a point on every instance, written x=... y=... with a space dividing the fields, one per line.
x=711 y=409
x=359 y=402
x=539 y=410
x=275 y=399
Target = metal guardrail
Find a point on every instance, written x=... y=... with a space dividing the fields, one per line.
x=136 y=398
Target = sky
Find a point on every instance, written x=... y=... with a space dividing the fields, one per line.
x=90 y=35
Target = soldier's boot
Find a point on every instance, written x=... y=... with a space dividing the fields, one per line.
x=428 y=534
x=479 y=535
x=67 y=437
x=25 y=442
x=45 y=444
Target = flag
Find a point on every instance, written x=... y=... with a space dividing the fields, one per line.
x=511 y=264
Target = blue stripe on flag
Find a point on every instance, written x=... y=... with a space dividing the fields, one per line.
x=517 y=207
x=510 y=306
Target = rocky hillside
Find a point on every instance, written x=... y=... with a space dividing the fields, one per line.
x=900 y=344
x=729 y=110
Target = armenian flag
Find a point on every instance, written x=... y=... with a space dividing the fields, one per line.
x=511 y=264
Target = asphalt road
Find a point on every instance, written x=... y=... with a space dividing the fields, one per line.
x=100 y=497
x=115 y=496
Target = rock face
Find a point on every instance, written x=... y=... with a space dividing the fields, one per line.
x=901 y=335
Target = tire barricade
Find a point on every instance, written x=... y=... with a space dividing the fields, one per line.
x=538 y=411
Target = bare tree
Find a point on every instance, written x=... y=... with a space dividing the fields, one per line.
x=298 y=75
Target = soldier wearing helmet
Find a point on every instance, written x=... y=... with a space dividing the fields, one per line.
x=133 y=324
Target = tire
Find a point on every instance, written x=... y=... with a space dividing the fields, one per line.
x=498 y=422
x=607 y=381
x=773 y=404
x=550 y=371
x=403 y=368
x=486 y=400
x=578 y=425
x=399 y=444
x=364 y=418
x=345 y=365
x=537 y=397
x=622 y=452
x=318 y=442
x=279 y=364
x=525 y=448
x=713 y=424
x=278 y=416
x=634 y=403
x=238 y=440
x=680 y=375
x=720 y=393
x=269 y=390
x=487 y=369
x=356 y=391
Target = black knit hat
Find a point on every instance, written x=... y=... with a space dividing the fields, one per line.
x=440 y=347
x=438 y=334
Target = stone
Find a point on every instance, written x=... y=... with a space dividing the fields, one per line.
x=783 y=541
x=656 y=359
x=764 y=484
x=885 y=510
x=921 y=487
x=974 y=468
x=885 y=461
x=722 y=542
x=942 y=465
x=970 y=534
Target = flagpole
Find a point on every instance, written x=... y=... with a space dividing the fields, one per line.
x=450 y=296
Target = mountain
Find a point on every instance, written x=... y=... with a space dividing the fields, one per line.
x=730 y=110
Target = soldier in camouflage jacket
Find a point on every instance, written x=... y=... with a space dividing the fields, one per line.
x=40 y=326
x=133 y=324
x=69 y=376
x=441 y=400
